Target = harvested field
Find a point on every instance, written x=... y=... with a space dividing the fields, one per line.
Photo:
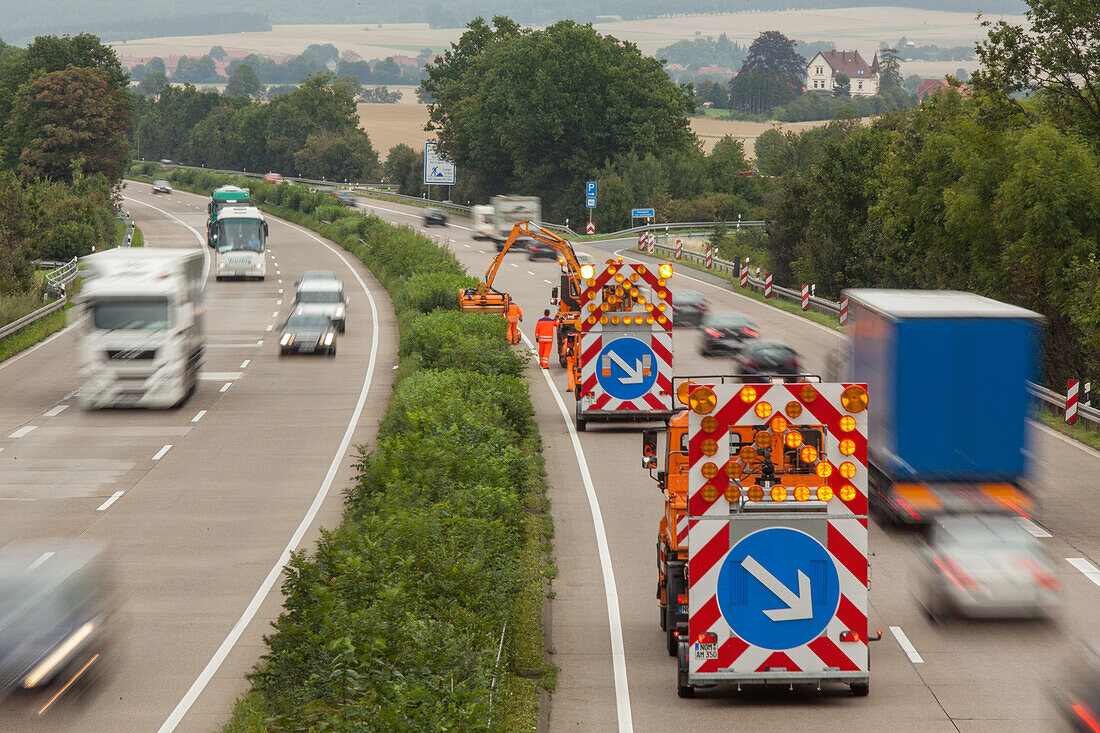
x=390 y=124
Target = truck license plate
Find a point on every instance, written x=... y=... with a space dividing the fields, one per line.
x=706 y=650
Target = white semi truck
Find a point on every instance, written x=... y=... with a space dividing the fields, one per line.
x=509 y=211
x=141 y=341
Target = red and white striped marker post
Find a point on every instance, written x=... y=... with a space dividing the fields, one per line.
x=1071 y=402
x=641 y=241
x=679 y=248
x=805 y=297
x=744 y=276
x=768 y=285
x=652 y=242
x=844 y=310
x=710 y=258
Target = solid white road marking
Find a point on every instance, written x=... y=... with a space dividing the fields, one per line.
x=37 y=563
x=245 y=363
x=162 y=451
x=22 y=431
x=548 y=282
x=114 y=497
x=1032 y=528
x=611 y=593
x=338 y=460
x=226 y=386
x=1091 y=572
x=55 y=411
x=198 y=417
x=906 y=645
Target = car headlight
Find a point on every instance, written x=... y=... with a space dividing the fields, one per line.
x=340 y=312
x=221 y=265
x=327 y=340
x=287 y=339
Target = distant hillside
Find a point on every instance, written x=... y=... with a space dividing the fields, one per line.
x=125 y=19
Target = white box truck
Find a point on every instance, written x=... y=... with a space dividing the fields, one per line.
x=507 y=210
x=141 y=341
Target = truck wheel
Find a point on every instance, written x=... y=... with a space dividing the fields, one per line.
x=683 y=687
x=581 y=425
x=674 y=586
x=663 y=617
x=860 y=689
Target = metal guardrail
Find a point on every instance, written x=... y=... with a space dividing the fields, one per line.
x=56 y=282
x=1049 y=398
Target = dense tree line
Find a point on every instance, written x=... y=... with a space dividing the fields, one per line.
x=64 y=118
x=313 y=131
x=540 y=111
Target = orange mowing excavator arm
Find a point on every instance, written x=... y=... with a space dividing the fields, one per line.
x=485 y=299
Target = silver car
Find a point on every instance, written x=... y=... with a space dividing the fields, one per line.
x=986 y=566
x=322 y=297
x=307 y=334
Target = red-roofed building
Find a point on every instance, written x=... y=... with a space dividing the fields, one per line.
x=928 y=87
x=406 y=61
x=716 y=70
x=822 y=71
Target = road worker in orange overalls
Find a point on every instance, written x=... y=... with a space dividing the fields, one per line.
x=570 y=362
x=514 y=315
x=544 y=334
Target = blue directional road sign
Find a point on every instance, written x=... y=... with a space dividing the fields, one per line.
x=626 y=368
x=590 y=189
x=590 y=202
x=778 y=588
x=641 y=213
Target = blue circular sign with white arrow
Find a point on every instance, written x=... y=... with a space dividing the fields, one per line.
x=778 y=588
x=626 y=368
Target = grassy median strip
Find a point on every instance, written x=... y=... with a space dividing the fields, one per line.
x=396 y=619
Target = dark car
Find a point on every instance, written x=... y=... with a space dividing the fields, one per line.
x=726 y=333
x=540 y=251
x=347 y=198
x=162 y=186
x=307 y=334
x=688 y=308
x=764 y=357
x=435 y=216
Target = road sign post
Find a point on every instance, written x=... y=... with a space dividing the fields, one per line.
x=710 y=258
x=844 y=310
x=745 y=275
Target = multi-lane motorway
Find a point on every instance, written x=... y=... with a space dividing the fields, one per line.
x=201 y=503
x=198 y=503
x=605 y=634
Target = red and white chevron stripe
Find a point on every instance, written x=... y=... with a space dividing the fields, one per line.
x=1071 y=401
x=715 y=526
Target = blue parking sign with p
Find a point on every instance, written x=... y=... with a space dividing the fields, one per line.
x=590 y=189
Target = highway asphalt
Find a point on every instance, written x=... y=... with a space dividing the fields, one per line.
x=201 y=503
x=614 y=670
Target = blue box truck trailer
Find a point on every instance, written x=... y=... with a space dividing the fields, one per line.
x=948 y=423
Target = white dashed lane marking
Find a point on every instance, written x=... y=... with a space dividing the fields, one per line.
x=114 y=497
x=162 y=451
x=56 y=411
x=22 y=431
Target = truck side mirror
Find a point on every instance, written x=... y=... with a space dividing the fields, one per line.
x=267 y=231
x=554 y=295
x=649 y=449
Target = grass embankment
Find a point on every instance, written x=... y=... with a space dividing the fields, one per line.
x=139 y=238
x=1079 y=432
x=394 y=621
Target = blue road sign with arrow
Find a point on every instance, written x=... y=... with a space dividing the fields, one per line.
x=626 y=368
x=778 y=588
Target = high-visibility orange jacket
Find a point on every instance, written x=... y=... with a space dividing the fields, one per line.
x=513 y=314
x=544 y=329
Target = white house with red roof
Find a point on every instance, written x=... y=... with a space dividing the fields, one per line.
x=822 y=71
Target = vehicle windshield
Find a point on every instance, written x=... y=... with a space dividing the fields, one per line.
x=131 y=314
x=297 y=323
x=729 y=321
x=161 y=182
x=777 y=354
x=240 y=235
x=320 y=296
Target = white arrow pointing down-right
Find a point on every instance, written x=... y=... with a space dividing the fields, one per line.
x=798 y=607
x=633 y=376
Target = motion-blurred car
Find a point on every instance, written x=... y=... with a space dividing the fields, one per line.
x=726 y=333
x=273 y=178
x=55 y=606
x=986 y=566
x=323 y=297
x=768 y=358
x=688 y=308
x=539 y=251
x=347 y=198
x=306 y=334
x=583 y=258
x=1079 y=700
x=434 y=216
x=314 y=275
x=162 y=186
